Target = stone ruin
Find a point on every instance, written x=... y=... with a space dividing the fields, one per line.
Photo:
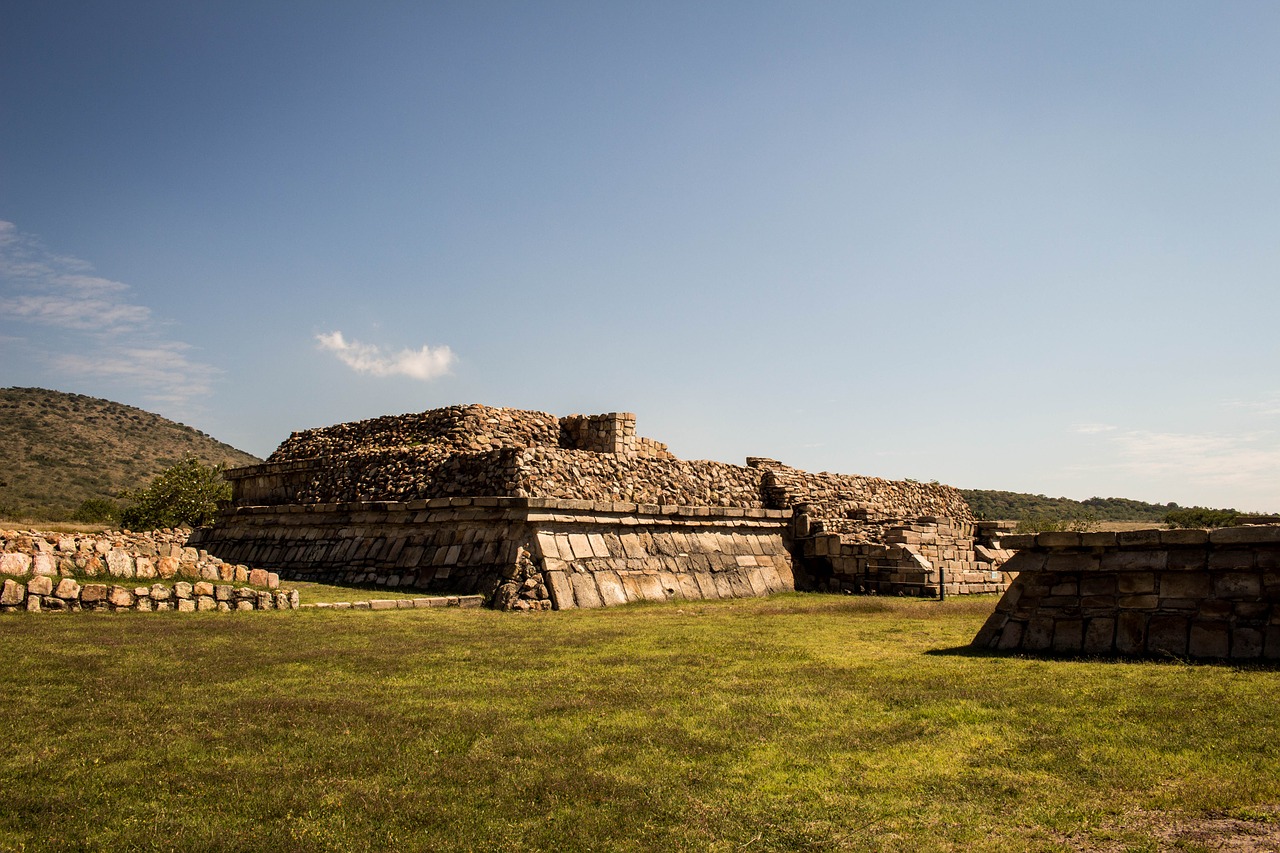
x=1142 y=593
x=539 y=512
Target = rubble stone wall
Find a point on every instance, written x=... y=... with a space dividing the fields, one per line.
x=41 y=594
x=162 y=554
x=524 y=553
x=456 y=429
x=922 y=557
x=1181 y=593
x=845 y=503
x=409 y=474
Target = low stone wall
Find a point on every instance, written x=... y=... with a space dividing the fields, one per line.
x=160 y=554
x=523 y=553
x=921 y=557
x=1181 y=593
x=41 y=594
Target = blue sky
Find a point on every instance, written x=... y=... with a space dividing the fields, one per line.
x=1021 y=245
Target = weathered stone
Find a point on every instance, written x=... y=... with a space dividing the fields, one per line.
x=223 y=592
x=44 y=564
x=93 y=593
x=1068 y=635
x=67 y=589
x=1237 y=585
x=1167 y=635
x=1099 y=636
x=13 y=592
x=118 y=596
x=1208 y=640
x=1246 y=643
x=144 y=567
x=120 y=564
x=186 y=605
x=15 y=564
x=182 y=590
x=585 y=592
x=40 y=585
x=1180 y=585
x=258 y=577
x=166 y=567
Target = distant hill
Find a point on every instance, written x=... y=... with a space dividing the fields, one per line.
x=58 y=450
x=1016 y=505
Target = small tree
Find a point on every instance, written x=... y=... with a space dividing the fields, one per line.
x=186 y=494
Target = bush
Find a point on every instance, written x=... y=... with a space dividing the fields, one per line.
x=185 y=495
x=96 y=510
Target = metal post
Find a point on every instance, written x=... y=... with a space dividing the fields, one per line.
x=942 y=584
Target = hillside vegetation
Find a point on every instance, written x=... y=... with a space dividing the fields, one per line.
x=992 y=504
x=59 y=450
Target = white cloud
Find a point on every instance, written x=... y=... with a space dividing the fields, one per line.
x=1092 y=429
x=58 y=292
x=426 y=363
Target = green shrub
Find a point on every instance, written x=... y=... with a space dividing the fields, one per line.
x=186 y=494
x=96 y=510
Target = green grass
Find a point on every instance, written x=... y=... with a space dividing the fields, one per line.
x=316 y=593
x=791 y=723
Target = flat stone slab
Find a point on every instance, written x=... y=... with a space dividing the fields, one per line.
x=400 y=603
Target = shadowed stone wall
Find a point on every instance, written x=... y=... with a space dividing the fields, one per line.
x=1181 y=593
x=524 y=553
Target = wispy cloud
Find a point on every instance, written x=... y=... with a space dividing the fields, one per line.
x=1092 y=429
x=44 y=289
x=426 y=363
x=1266 y=404
x=1245 y=464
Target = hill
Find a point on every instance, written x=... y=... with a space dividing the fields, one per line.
x=993 y=504
x=58 y=450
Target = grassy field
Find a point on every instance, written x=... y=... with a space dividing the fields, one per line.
x=792 y=723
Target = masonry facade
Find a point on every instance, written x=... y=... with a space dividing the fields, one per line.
x=1143 y=593
x=539 y=512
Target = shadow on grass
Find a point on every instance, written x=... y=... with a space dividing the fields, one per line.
x=1022 y=654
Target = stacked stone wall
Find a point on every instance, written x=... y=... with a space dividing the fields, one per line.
x=1180 y=593
x=456 y=429
x=924 y=557
x=41 y=594
x=582 y=475
x=162 y=554
x=408 y=474
x=523 y=553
